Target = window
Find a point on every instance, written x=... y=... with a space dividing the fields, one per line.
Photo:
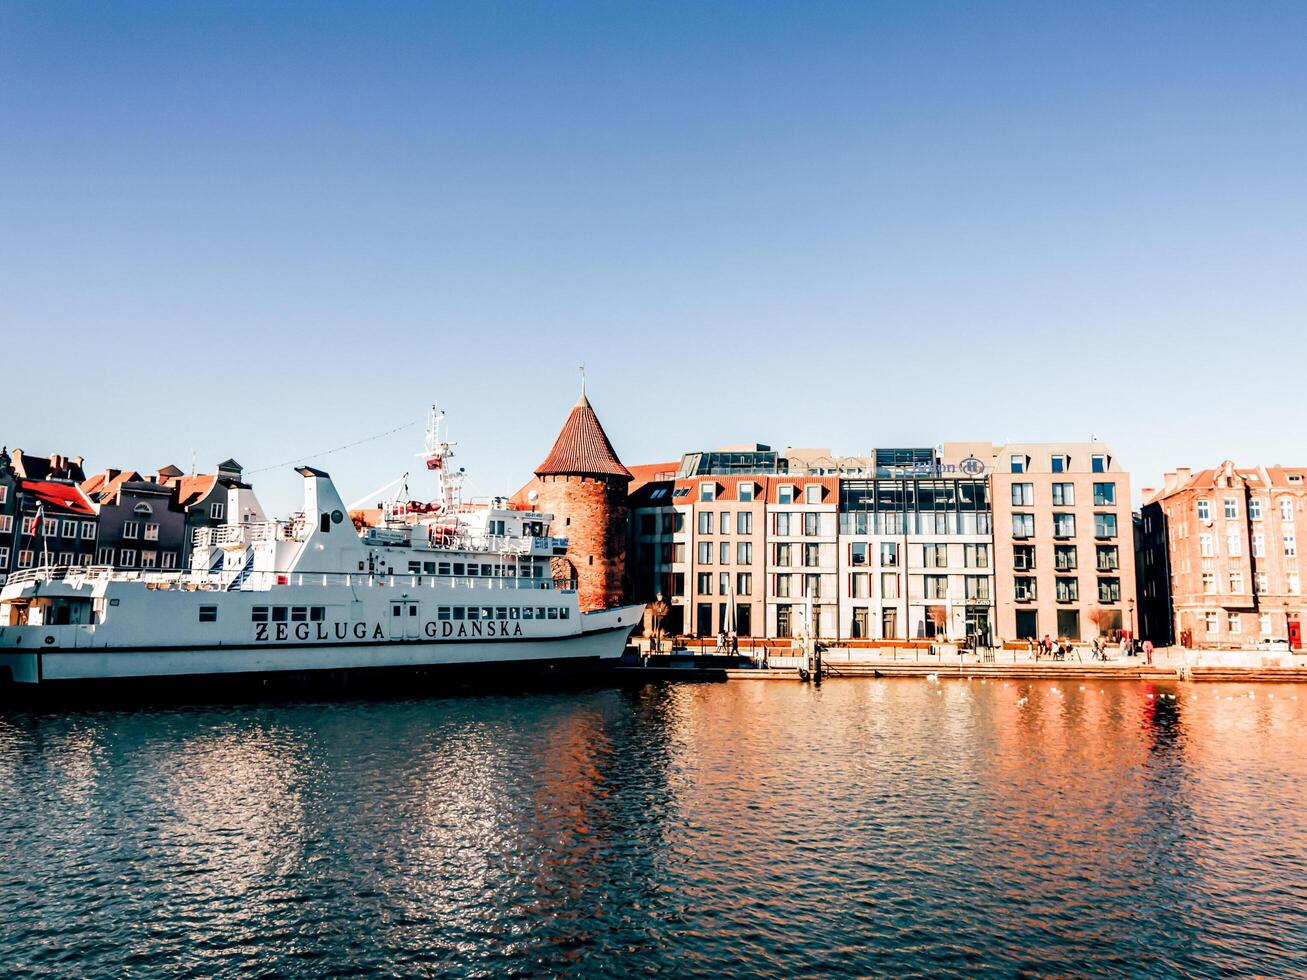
x=811 y=555
x=1023 y=495
x=65 y=558
x=1023 y=525
x=936 y=586
x=24 y=559
x=1109 y=590
x=1023 y=557
x=724 y=583
x=1236 y=582
x=127 y=558
x=811 y=524
x=785 y=494
x=217 y=511
x=745 y=493
x=50 y=527
x=1234 y=622
x=784 y=555
x=889 y=554
x=1263 y=584
x=889 y=585
x=858 y=553
x=1059 y=463
x=6 y=523
x=1068 y=589
x=1255 y=509
x=724 y=553
x=1206 y=546
x=1017 y=464
x=858 y=585
x=1104 y=494
x=744 y=583
x=4 y=493
x=1107 y=557
x=1064 y=557
x=1209 y=582
x=812 y=493
x=1231 y=508
x=934 y=555
x=208 y=614
x=149 y=559
x=705 y=522
x=131 y=529
x=1064 y=494
x=1204 y=510
x=1104 y=525
x=707 y=491
x=104 y=556
x=1286 y=510
x=1098 y=463
x=1064 y=525
x=1233 y=543
x=783 y=586
x=4 y=556
x=678 y=551
x=744 y=522
x=1211 y=623
x=724 y=523
x=977 y=588
x=704 y=582
x=152 y=532
x=169 y=559
x=744 y=552
x=88 y=530
x=812 y=586
x=1292 y=579
x=69 y=528
x=783 y=524
x=705 y=552
x=1290 y=545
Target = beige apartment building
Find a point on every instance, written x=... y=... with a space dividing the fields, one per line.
x=1063 y=534
x=1219 y=552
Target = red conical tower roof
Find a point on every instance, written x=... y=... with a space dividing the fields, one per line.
x=582 y=448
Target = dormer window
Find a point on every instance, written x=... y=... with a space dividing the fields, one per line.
x=143 y=508
x=812 y=493
x=1098 y=463
x=1018 y=463
x=785 y=493
x=746 y=492
x=707 y=491
x=1060 y=463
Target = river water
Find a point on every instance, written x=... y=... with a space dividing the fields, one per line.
x=865 y=827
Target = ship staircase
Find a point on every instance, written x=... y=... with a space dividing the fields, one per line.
x=247 y=569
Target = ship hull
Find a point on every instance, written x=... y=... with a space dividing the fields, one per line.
x=54 y=667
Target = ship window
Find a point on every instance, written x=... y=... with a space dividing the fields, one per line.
x=429 y=567
x=458 y=568
x=514 y=613
x=324 y=523
x=460 y=612
x=442 y=613
x=259 y=614
x=565 y=612
x=208 y=614
x=501 y=612
x=415 y=567
x=487 y=612
x=528 y=613
x=397 y=610
x=317 y=614
x=553 y=612
x=360 y=566
x=474 y=613
x=279 y=614
x=299 y=614
x=487 y=570
x=412 y=608
x=444 y=568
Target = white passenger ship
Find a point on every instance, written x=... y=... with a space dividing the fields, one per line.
x=444 y=587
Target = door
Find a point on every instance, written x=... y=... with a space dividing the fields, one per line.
x=783 y=621
x=1295 y=634
x=744 y=620
x=703 y=619
x=860 y=619
x=404 y=621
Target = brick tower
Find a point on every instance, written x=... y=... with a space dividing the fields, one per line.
x=583 y=484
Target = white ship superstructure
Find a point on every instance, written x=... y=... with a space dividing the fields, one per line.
x=434 y=585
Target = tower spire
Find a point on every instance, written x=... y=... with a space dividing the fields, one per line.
x=582 y=400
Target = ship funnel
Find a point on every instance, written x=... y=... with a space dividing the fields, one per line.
x=324 y=511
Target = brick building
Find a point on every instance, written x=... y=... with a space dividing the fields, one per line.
x=1219 y=555
x=584 y=485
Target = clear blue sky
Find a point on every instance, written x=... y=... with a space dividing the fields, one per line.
x=260 y=229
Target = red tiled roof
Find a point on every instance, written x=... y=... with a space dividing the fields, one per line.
x=103 y=486
x=66 y=497
x=582 y=448
x=192 y=488
x=643 y=473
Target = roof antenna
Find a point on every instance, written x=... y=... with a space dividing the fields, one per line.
x=581 y=368
x=192 y=462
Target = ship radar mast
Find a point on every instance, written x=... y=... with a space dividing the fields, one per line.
x=439 y=451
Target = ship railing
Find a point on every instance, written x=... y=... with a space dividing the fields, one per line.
x=81 y=574
x=228 y=535
x=262 y=581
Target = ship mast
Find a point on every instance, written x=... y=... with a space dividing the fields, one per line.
x=439 y=451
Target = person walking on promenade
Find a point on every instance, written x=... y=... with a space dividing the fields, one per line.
x=1148 y=652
